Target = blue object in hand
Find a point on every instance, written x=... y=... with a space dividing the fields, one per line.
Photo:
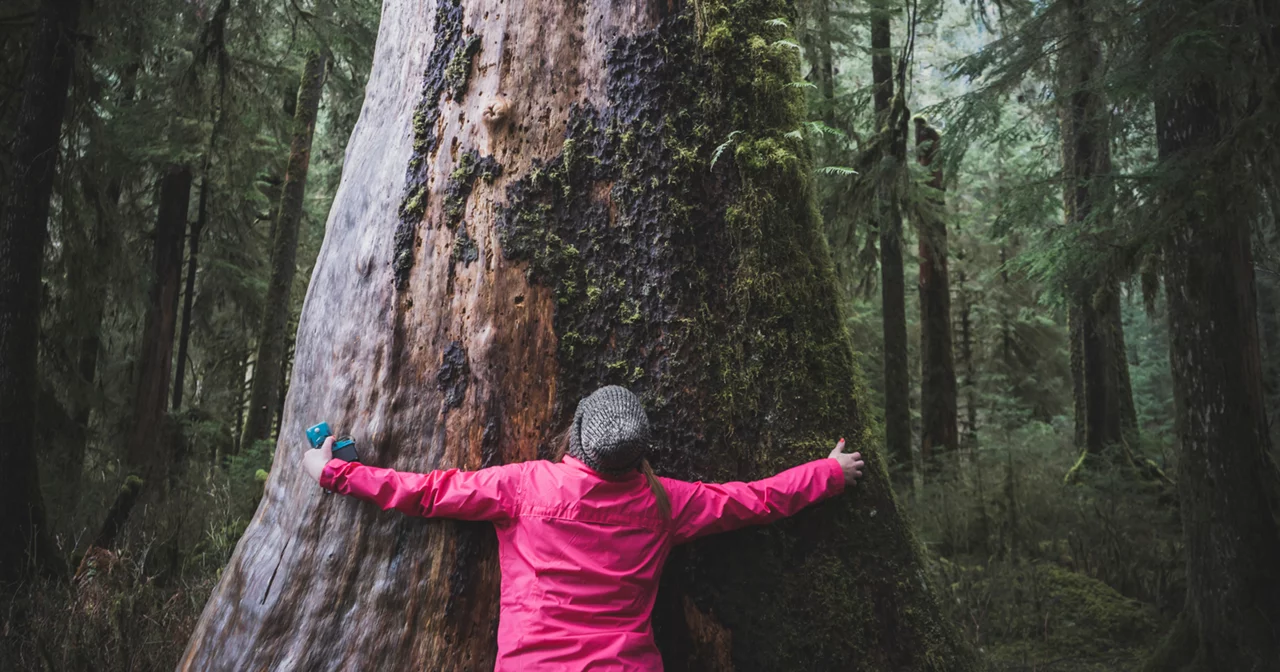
x=343 y=449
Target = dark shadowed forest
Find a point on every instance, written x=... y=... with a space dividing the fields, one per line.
x=1023 y=255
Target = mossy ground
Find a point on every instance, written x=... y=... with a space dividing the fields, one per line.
x=1042 y=615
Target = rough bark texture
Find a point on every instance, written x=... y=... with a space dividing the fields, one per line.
x=1103 y=399
x=1227 y=482
x=606 y=251
x=263 y=392
x=189 y=292
x=893 y=285
x=938 y=436
x=23 y=218
x=145 y=452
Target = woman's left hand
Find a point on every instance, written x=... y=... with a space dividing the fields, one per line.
x=314 y=460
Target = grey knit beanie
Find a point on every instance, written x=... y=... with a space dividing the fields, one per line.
x=610 y=431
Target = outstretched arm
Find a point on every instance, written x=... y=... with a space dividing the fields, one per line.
x=699 y=509
x=487 y=494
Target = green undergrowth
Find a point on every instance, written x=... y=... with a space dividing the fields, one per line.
x=133 y=606
x=1046 y=575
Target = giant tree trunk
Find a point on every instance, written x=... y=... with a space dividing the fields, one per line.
x=284 y=252
x=145 y=451
x=1103 y=399
x=488 y=260
x=893 y=284
x=24 y=214
x=1227 y=482
x=938 y=436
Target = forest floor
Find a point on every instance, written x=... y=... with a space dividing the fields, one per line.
x=1048 y=576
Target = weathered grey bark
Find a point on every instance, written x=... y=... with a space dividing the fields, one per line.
x=1227 y=481
x=708 y=291
x=939 y=439
x=1102 y=396
x=24 y=542
x=893 y=285
x=263 y=392
x=145 y=453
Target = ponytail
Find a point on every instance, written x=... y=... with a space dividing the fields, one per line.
x=659 y=492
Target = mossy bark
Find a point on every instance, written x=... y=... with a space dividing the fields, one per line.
x=264 y=391
x=609 y=250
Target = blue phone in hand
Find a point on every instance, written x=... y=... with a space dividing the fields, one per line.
x=343 y=449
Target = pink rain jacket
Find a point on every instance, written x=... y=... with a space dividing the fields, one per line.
x=581 y=554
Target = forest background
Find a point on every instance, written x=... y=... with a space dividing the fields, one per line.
x=1029 y=414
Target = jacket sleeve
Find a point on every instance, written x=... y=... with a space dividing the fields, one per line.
x=487 y=494
x=699 y=509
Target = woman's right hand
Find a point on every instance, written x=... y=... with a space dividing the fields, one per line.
x=314 y=460
x=850 y=463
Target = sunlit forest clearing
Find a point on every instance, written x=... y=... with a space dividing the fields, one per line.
x=1023 y=256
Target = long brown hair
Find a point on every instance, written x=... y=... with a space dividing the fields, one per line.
x=655 y=486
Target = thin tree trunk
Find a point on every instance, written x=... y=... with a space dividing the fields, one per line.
x=263 y=394
x=24 y=540
x=1227 y=482
x=188 y=298
x=970 y=443
x=939 y=439
x=286 y=367
x=893 y=286
x=709 y=292
x=144 y=450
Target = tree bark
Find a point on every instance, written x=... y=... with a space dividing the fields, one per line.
x=24 y=541
x=145 y=453
x=188 y=295
x=1227 y=482
x=1102 y=396
x=284 y=252
x=939 y=439
x=970 y=442
x=893 y=285
x=607 y=250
